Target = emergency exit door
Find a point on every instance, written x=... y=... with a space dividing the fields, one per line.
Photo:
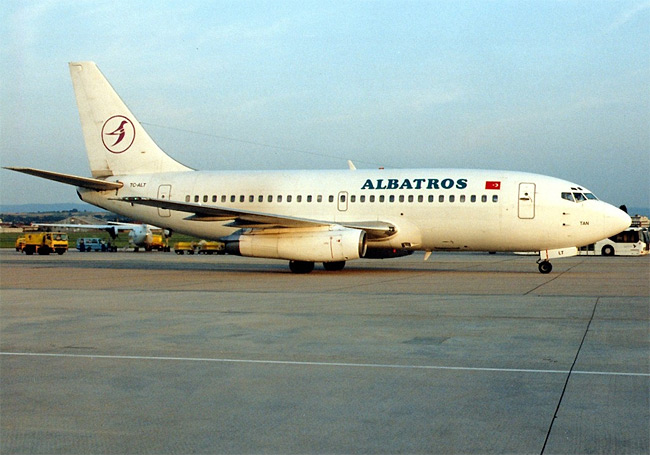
x=343 y=201
x=526 y=201
x=164 y=191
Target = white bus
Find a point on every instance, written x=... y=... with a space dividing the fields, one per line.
x=634 y=241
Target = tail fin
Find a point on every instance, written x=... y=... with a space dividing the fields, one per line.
x=116 y=142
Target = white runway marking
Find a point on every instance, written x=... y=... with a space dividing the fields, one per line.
x=320 y=364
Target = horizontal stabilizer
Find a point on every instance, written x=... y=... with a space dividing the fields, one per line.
x=84 y=182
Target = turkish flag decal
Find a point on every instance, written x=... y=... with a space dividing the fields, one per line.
x=492 y=185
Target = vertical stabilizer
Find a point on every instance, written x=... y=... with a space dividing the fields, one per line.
x=116 y=142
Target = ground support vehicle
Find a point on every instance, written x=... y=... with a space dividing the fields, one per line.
x=87 y=244
x=634 y=241
x=46 y=243
x=211 y=247
x=184 y=247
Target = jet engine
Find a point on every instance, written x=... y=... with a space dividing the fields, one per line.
x=308 y=245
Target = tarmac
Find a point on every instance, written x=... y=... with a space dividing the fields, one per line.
x=465 y=353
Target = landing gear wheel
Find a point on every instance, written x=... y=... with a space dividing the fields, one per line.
x=301 y=266
x=334 y=266
x=545 y=267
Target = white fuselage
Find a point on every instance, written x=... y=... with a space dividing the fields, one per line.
x=432 y=209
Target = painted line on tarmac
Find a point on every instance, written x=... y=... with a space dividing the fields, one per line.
x=320 y=364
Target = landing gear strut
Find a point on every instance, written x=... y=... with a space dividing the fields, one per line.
x=545 y=267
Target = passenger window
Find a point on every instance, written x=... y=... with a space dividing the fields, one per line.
x=319 y=198
x=484 y=198
x=187 y=198
x=362 y=199
x=232 y=198
x=391 y=198
x=223 y=198
x=270 y=198
x=331 y=198
x=420 y=198
x=495 y=198
x=279 y=198
x=214 y=198
x=251 y=198
x=462 y=198
x=196 y=198
x=299 y=198
x=401 y=198
x=205 y=198
x=473 y=198
x=372 y=198
x=309 y=198
x=431 y=198
x=441 y=198
x=452 y=198
x=289 y=198
x=382 y=198
x=242 y=198
x=260 y=198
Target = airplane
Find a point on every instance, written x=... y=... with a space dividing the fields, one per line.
x=328 y=216
x=140 y=235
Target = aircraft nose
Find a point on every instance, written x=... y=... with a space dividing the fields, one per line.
x=615 y=220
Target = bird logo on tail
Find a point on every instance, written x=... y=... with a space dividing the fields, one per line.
x=118 y=134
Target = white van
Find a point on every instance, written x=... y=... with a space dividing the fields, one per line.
x=90 y=244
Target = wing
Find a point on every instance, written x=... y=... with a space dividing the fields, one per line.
x=115 y=227
x=249 y=219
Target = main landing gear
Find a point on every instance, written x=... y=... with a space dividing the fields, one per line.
x=303 y=267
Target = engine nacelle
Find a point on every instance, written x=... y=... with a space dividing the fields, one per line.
x=312 y=246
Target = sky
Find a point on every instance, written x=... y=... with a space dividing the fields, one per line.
x=559 y=88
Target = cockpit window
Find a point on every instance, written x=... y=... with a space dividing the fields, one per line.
x=578 y=197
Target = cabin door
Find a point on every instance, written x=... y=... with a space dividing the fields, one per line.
x=527 y=201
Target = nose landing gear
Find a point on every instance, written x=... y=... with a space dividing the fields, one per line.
x=545 y=267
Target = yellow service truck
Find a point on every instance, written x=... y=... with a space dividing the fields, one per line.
x=45 y=243
x=158 y=242
x=184 y=247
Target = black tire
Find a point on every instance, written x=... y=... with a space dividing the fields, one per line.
x=301 y=267
x=545 y=267
x=334 y=266
x=608 y=250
